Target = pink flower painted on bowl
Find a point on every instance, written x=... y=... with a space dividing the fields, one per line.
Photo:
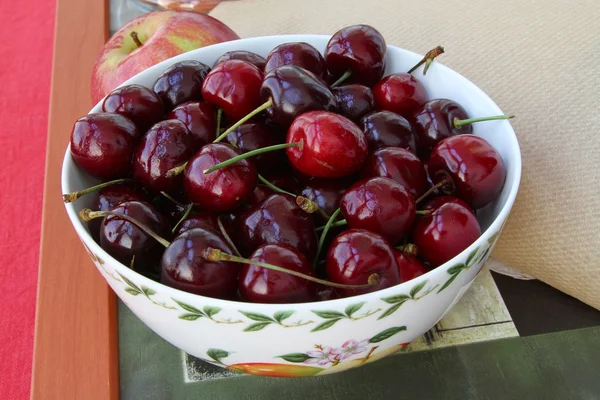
x=321 y=356
x=350 y=348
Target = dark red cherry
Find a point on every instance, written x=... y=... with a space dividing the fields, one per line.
x=332 y=145
x=278 y=220
x=256 y=135
x=183 y=267
x=138 y=103
x=202 y=219
x=223 y=189
x=199 y=118
x=444 y=233
x=387 y=129
x=409 y=266
x=437 y=202
x=102 y=144
x=379 y=205
x=258 y=195
x=354 y=101
x=294 y=91
x=108 y=198
x=400 y=93
x=233 y=86
x=180 y=83
x=123 y=239
x=283 y=179
x=242 y=55
x=298 y=53
x=166 y=145
x=359 y=49
x=474 y=169
x=400 y=165
x=355 y=256
x=262 y=285
x=326 y=193
x=434 y=121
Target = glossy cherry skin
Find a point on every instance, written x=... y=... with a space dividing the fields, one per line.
x=400 y=93
x=233 y=86
x=203 y=219
x=355 y=255
x=123 y=240
x=242 y=55
x=379 y=205
x=354 y=101
x=409 y=266
x=138 y=103
x=294 y=91
x=298 y=53
x=388 y=129
x=108 y=198
x=400 y=165
x=359 y=49
x=183 y=267
x=476 y=169
x=199 y=118
x=326 y=193
x=180 y=83
x=332 y=145
x=434 y=121
x=102 y=144
x=278 y=220
x=444 y=233
x=166 y=145
x=437 y=202
x=221 y=190
x=262 y=285
x=256 y=135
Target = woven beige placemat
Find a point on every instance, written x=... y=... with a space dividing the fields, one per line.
x=538 y=59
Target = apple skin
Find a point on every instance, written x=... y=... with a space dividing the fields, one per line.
x=164 y=34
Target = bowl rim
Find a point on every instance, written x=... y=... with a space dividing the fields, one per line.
x=495 y=226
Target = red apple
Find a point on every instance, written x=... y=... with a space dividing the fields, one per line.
x=162 y=35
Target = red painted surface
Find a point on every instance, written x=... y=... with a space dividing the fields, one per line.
x=26 y=39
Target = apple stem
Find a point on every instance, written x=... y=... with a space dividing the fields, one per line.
x=341 y=79
x=173 y=172
x=71 y=197
x=257 y=110
x=87 y=215
x=273 y=187
x=171 y=199
x=433 y=189
x=219 y=116
x=324 y=233
x=334 y=225
x=252 y=153
x=183 y=217
x=227 y=237
x=427 y=59
x=460 y=122
x=212 y=254
x=136 y=39
x=310 y=207
x=409 y=248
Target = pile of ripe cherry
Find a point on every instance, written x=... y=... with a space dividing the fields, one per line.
x=330 y=178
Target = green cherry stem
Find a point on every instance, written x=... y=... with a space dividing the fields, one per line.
x=334 y=225
x=273 y=187
x=87 y=215
x=409 y=248
x=227 y=237
x=341 y=79
x=71 y=197
x=423 y=212
x=433 y=189
x=252 y=153
x=171 y=198
x=258 y=110
x=427 y=59
x=183 y=217
x=219 y=116
x=212 y=254
x=325 y=231
x=461 y=122
x=177 y=170
x=310 y=207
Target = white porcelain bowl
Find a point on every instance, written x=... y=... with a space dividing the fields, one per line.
x=310 y=338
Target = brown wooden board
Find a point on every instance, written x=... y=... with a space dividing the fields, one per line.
x=75 y=349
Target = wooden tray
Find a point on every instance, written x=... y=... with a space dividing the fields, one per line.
x=75 y=348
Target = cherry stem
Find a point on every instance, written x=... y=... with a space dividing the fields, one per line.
x=423 y=212
x=409 y=248
x=227 y=237
x=219 y=116
x=136 y=39
x=183 y=217
x=258 y=110
x=460 y=122
x=341 y=79
x=71 y=197
x=310 y=207
x=249 y=154
x=427 y=59
x=212 y=254
x=325 y=231
x=334 y=225
x=433 y=189
x=87 y=215
x=177 y=170
x=273 y=187
x=171 y=198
